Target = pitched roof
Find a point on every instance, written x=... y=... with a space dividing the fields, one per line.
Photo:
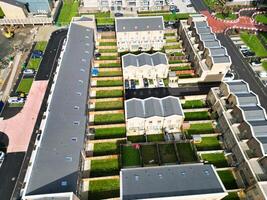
x=238 y=87
x=169 y=181
x=14 y=3
x=133 y=24
x=152 y=106
x=247 y=99
x=253 y=113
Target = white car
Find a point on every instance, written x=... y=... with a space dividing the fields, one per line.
x=28 y=72
x=229 y=76
x=160 y=83
x=263 y=74
x=16 y=100
x=256 y=64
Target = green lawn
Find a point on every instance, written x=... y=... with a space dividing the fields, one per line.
x=25 y=85
x=254 y=44
x=185 y=76
x=104 y=189
x=34 y=63
x=15 y=105
x=105 y=21
x=180 y=68
x=167 y=153
x=227 y=179
x=105 y=148
x=110 y=73
x=107 y=50
x=200 y=115
x=109 y=93
x=107 y=58
x=232 y=196
x=41 y=46
x=169 y=34
x=168 y=16
x=109 y=83
x=200 y=128
x=109 y=65
x=228 y=16
x=69 y=9
x=217 y=159
x=108 y=133
x=264 y=65
x=107 y=43
x=212 y=3
x=109 y=105
x=194 y=104
x=186 y=152
x=1 y=13
x=175 y=62
x=104 y=167
x=136 y=138
x=149 y=155
x=261 y=18
x=171 y=40
x=176 y=46
x=208 y=143
x=176 y=53
x=155 y=138
x=109 y=118
x=130 y=156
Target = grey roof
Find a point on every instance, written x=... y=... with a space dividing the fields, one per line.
x=238 y=87
x=221 y=59
x=203 y=30
x=218 y=51
x=263 y=141
x=56 y=167
x=247 y=99
x=144 y=59
x=133 y=24
x=253 y=113
x=212 y=44
x=207 y=37
x=259 y=128
x=152 y=106
x=169 y=181
x=202 y=24
x=14 y=3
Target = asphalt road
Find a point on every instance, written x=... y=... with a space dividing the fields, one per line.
x=199 y=5
x=15 y=165
x=197 y=89
x=243 y=70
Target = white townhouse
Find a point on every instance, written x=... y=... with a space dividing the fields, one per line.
x=153 y=115
x=139 y=33
x=145 y=66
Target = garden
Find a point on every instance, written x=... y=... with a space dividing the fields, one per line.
x=149 y=155
x=109 y=93
x=208 y=143
x=25 y=85
x=167 y=153
x=108 y=118
x=107 y=148
x=109 y=133
x=199 y=115
x=109 y=83
x=109 y=73
x=200 y=128
x=104 y=167
x=186 y=152
x=109 y=65
x=189 y=104
x=155 y=138
x=108 y=105
x=217 y=159
x=130 y=156
x=228 y=179
x=232 y=196
x=107 y=43
x=104 y=188
x=68 y=10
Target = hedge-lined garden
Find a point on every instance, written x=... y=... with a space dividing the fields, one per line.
x=109 y=118
x=109 y=93
x=109 y=105
x=109 y=133
x=104 y=167
x=200 y=128
x=109 y=83
x=200 y=115
x=217 y=159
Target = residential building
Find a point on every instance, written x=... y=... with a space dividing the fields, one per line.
x=125 y=5
x=145 y=65
x=139 y=33
x=243 y=123
x=179 y=182
x=58 y=156
x=15 y=9
x=153 y=115
x=242 y=2
x=209 y=58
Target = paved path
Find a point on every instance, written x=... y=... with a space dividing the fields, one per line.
x=20 y=127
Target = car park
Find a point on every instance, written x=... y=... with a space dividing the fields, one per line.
x=262 y=74
x=97 y=54
x=126 y=84
x=247 y=53
x=133 y=85
x=145 y=82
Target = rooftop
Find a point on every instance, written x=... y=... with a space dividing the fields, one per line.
x=218 y=51
x=207 y=37
x=56 y=167
x=238 y=86
x=221 y=59
x=212 y=44
x=253 y=113
x=169 y=181
x=133 y=24
x=247 y=99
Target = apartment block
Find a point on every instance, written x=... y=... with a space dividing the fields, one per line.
x=179 y=182
x=125 y=5
x=208 y=57
x=153 y=115
x=58 y=158
x=139 y=33
x=145 y=65
x=243 y=123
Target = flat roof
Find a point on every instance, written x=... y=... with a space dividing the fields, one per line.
x=169 y=181
x=56 y=167
x=15 y=3
x=133 y=24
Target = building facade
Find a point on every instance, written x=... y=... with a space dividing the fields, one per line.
x=145 y=65
x=139 y=33
x=209 y=58
x=153 y=115
x=243 y=123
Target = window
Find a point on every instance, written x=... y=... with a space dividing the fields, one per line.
x=64 y=183
x=76 y=123
x=76 y=107
x=74 y=139
x=68 y=158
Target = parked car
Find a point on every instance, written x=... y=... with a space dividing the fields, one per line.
x=126 y=84
x=229 y=76
x=247 y=53
x=2 y=157
x=263 y=74
x=145 y=82
x=133 y=85
x=118 y=15
x=12 y=100
x=28 y=72
x=173 y=8
x=97 y=54
x=37 y=54
x=255 y=63
x=160 y=83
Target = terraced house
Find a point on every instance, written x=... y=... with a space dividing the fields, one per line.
x=153 y=115
x=139 y=33
x=244 y=125
x=209 y=58
x=145 y=65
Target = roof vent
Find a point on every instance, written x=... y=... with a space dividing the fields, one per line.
x=207 y=173
x=123 y=28
x=82 y=70
x=68 y=158
x=81 y=81
x=159 y=26
x=87 y=29
x=76 y=107
x=147 y=26
x=135 y=27
x=86 y=52
x=136 y=177
x=83 y=60
x=87 y=44
x=86 y=36
x=183 y=173
x=64 y=183
x=160 y=176
x=79 y=93
x=76 y=122
x=74 y=139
